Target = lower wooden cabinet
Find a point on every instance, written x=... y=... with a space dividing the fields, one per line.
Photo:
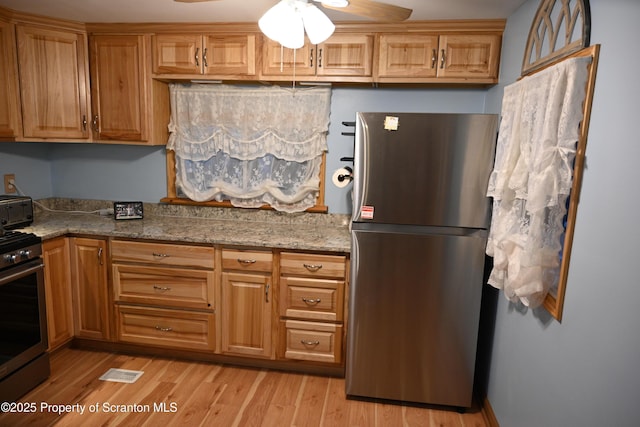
x=57 y=287
x=312 y=289
x=313 y=341
x=163 y=286
x=179 y=329
x=164 y=294
x=284 y=308
x=246 y=314
x=92 y=305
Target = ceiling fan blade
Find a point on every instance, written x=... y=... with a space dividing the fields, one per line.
x=374 y=10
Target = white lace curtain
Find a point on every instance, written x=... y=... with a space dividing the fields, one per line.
x=532 y=179
x=252 y=146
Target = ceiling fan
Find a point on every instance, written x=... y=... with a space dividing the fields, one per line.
x=375 y=10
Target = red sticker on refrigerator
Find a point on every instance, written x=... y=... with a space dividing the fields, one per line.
x=366 y=212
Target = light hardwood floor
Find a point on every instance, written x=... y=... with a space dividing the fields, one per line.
x=208 y=394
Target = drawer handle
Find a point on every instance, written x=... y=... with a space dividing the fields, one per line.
x=164 y=329
x=313 y=267
x=309 y=343
x=157 y=255
x=161 y=288
x=246 y=261
x=311 y=301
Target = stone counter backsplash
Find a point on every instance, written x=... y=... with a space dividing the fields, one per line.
x=196 y=224
x=224 y=214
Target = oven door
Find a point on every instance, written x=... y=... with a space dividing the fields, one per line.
x=23 y=324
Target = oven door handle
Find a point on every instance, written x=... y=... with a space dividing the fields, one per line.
x=11 y=277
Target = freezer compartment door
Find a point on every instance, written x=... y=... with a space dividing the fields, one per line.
x=414 y=312
x=423 y=169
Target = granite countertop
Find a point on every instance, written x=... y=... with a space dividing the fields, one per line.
x=314 y=232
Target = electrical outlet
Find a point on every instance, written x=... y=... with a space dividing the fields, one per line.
x=8 y=187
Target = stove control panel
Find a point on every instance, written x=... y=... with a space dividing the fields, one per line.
x=18 y=256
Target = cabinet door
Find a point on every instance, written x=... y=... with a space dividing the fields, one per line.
x=10 y=123
x=57 y=286
x=246 y=314
x=278 y=61
x=345 y=55
x=469 y=56
x=408 y=55
x=229 y=55
x=177 y=53
x=119 y=87
x=90 y=294
x=53 y=82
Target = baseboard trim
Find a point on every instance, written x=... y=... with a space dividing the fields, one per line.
x=488 y=414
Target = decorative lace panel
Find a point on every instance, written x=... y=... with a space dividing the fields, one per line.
x=252 y=146
x=248 y=123
x=532 y=178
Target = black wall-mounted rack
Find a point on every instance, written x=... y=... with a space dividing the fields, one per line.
x=353 y=133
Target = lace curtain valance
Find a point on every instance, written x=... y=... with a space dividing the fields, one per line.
x=532 y=178
x=249 y=145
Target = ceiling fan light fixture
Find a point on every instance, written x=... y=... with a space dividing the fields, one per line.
x=318 y=26
x=283 y=24
x=336 y=3
x=287 y=21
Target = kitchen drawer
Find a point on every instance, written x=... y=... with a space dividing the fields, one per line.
x=310 y=298
x=166 y=328
x=247 y=260
x=302 y=264
x=313 y=341
x=173 y=287
x=162 y=254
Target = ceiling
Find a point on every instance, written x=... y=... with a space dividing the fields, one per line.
x=240 y=10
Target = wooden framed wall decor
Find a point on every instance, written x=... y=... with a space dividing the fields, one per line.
x=561 y=30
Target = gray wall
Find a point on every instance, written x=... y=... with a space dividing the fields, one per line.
x=118 y=172
x=584 y=371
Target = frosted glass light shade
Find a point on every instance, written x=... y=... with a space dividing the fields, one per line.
x=319 y=27
x=283 y=24
x=336 y=3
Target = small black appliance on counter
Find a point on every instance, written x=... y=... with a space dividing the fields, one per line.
x=15 y=211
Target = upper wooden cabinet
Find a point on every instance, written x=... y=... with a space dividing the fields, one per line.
x=10 y=118
x=231 y=56
x=428 y=57
x=119 y=93
x=128 y=105
x=53 y=82
x=343 y=57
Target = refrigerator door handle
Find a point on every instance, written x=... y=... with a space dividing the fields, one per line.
x=360 y=175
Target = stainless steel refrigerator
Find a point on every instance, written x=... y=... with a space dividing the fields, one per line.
x=419 y=230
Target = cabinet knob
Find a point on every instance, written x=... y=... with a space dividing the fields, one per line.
x=309 y=343
x=311 y=301
x=161 y=288
x=246 y=261
x=164 y=328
